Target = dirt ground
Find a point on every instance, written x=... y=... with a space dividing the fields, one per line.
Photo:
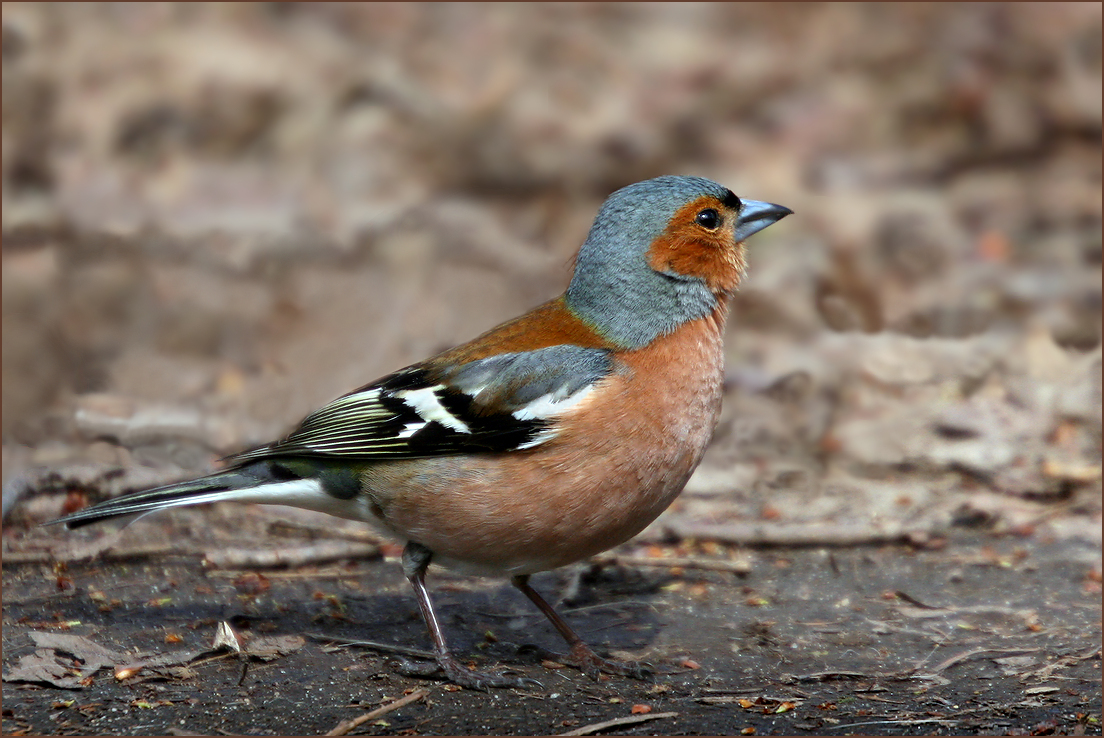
x=216 y=218
x=982 y=636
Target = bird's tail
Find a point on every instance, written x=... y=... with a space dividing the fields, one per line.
x=247 y=484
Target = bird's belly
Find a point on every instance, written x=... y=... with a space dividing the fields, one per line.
x=610 y=471
x=539 y=510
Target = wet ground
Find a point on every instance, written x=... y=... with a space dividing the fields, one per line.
x=982 y=635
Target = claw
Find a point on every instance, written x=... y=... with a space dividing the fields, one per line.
x=526 y=682
x=591 y=664
x=454 y=672
x=482 y=681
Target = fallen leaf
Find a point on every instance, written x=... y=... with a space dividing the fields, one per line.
x=252 y=584
x=91 y=653
x=43 y=666
x=180 y=672
x=267 y=648
x=46 y=666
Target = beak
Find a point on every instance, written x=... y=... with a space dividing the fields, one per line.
x=755 y=216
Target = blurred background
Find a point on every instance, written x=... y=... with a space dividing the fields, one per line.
x=218 y=217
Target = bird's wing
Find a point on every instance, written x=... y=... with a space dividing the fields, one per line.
x=502 y=403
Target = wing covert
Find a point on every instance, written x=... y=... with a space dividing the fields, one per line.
x=502 y=403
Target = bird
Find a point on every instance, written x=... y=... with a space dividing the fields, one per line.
x=547 y=439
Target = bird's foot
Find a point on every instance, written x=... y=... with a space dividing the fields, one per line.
x=583 y=658
x=460 y=675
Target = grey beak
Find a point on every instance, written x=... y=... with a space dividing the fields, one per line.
x=755 y=216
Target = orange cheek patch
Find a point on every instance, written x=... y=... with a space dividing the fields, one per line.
x=689 y=249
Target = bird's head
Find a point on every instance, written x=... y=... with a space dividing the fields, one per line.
x=663 y=252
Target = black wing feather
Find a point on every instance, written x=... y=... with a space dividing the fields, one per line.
x=482 y=406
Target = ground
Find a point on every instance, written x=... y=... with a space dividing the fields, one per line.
x=983 y=636
x=216 y=218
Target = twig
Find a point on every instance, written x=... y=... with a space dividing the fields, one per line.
x=619 y=605
x=215 y=657
x=793 y=534
x=320 y=574
x=821 y=676
x=323 y=551
x=880 y=626
x=796 y=534
x=685 y=562
x=723 y=699
x=928 y=612
x=345 y=726
x=915 y=602
x=1047 y=670
x=99 y=552
x=383 y=647
x=744 y=690
x=945 y=721
x=348 y=534
x=965 y=655
x=597 y=727
x=291 y=557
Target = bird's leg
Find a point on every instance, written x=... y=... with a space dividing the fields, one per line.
x=580 y=654
x=415 y=561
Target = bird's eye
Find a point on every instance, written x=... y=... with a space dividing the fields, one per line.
x=708 y=218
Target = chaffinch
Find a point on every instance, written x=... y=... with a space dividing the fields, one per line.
x=548 y=439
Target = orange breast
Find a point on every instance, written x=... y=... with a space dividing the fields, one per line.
x=610 y=471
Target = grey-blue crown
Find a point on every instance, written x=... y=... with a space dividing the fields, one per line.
x=663 y=195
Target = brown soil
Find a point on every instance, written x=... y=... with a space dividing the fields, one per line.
x=983 y=636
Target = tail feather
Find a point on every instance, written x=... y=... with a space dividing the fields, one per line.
x=288 y=482
x=223 y=486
